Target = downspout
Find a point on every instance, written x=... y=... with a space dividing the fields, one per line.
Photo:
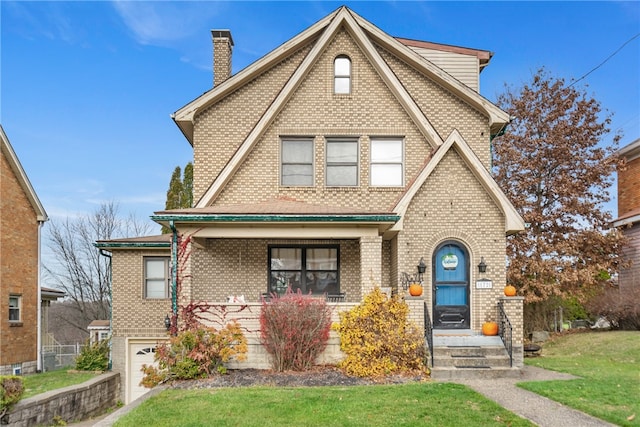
x=174 y=275
x=108 y=255
x=39 y=303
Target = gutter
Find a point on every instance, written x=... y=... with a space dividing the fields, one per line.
x=174 y=275
x=108 y=255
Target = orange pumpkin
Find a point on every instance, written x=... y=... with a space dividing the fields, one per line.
x=415 y=290
x=510 y=291
x=490 y=328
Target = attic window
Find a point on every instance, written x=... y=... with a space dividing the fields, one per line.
x=342 y=75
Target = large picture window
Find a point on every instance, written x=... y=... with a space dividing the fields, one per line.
x=342 y=162
x=308 y=268
x=15 y=301
x=387 y=163
x=297 y=162
x=156 y=277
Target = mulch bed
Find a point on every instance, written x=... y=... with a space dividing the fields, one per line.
x=319 y=376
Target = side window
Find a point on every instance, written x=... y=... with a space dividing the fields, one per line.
x=342 y=75
x=387 y=163
x=156 y=277
x=342 y=162
x=15 y=303
x=297 y=162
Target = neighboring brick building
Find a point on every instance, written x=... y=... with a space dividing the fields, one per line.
x=334 y=164
x=629 y=213
x=21 y=219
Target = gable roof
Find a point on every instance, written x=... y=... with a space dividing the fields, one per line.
x=513 y=220
x=21 y=176
x=364 y=34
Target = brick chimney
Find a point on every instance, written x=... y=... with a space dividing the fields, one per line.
x=222 y=48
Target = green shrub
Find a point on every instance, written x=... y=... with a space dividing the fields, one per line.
x=378 y=339
x=11 y=390
x=196 y=353
x=294 y=329
x=93 y=357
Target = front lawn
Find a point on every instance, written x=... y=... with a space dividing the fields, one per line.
x=47 y=381
x=415 y=404
x=609 y=366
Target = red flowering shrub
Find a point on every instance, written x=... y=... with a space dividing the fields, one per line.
x=294 y=329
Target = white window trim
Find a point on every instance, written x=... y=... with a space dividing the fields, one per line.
x=334 y=140
x=166 y=260
x=401 y=140
x=337 y=76
x=283 y=140
x=19 y=308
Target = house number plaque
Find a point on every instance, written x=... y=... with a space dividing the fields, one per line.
x=484 y=284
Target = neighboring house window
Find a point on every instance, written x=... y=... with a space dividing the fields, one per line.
x=308 y=268
x=297 y=162
x=156 y=277
x=342 y=75
x=386 y=163
x=342 y=162
x=15 y=301
x=103 y=335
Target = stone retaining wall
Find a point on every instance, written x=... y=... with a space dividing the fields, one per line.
x=73 y=403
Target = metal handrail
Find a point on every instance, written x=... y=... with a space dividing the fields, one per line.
x=428 y=332
x=505 y=331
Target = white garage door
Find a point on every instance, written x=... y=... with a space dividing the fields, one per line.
x=140 y=353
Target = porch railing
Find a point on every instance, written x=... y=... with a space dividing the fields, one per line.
x=505 y=331
x=428 y=332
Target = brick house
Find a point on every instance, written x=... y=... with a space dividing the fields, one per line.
x=629 y=213
x=337 y=163
x=21 y=219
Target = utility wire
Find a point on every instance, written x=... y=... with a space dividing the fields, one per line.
x=608 y=58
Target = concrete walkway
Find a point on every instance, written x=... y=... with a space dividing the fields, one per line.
x=537 y=409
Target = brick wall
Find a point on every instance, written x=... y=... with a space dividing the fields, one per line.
x=629 y=187
x=630 y=277
x=18 y=272
x=452 y=205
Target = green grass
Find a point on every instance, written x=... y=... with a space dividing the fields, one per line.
x=609 y=366
x=415 y=404
x=47 y=381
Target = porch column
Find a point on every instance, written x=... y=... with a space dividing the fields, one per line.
x=513 y=307
x=370 y=263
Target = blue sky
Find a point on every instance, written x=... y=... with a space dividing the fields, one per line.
x=87 y=88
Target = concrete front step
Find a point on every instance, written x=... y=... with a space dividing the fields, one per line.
x=469 y=351
x=473 y=362
x=451 y=373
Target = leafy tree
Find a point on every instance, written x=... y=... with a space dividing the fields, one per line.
x=78 y=268
x=180 y=192
x=555 y=168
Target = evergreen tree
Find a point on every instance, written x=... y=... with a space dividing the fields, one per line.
x=180 y=192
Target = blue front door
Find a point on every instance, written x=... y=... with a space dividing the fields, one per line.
x=451 y=287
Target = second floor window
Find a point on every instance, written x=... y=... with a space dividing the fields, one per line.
x=156 y=277
x=297 y=162
x=342 y=162
x=342 y=75
x=386 y=163
x=14 y=308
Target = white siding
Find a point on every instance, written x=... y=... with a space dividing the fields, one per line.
x=465 y=68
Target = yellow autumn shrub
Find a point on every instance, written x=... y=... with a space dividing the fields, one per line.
x=378 y=339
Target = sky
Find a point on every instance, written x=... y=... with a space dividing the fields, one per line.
x=87 y=87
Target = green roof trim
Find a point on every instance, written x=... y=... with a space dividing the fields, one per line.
x=276 y=218
x=107 y=245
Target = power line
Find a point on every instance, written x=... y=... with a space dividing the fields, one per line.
x=608 y=58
